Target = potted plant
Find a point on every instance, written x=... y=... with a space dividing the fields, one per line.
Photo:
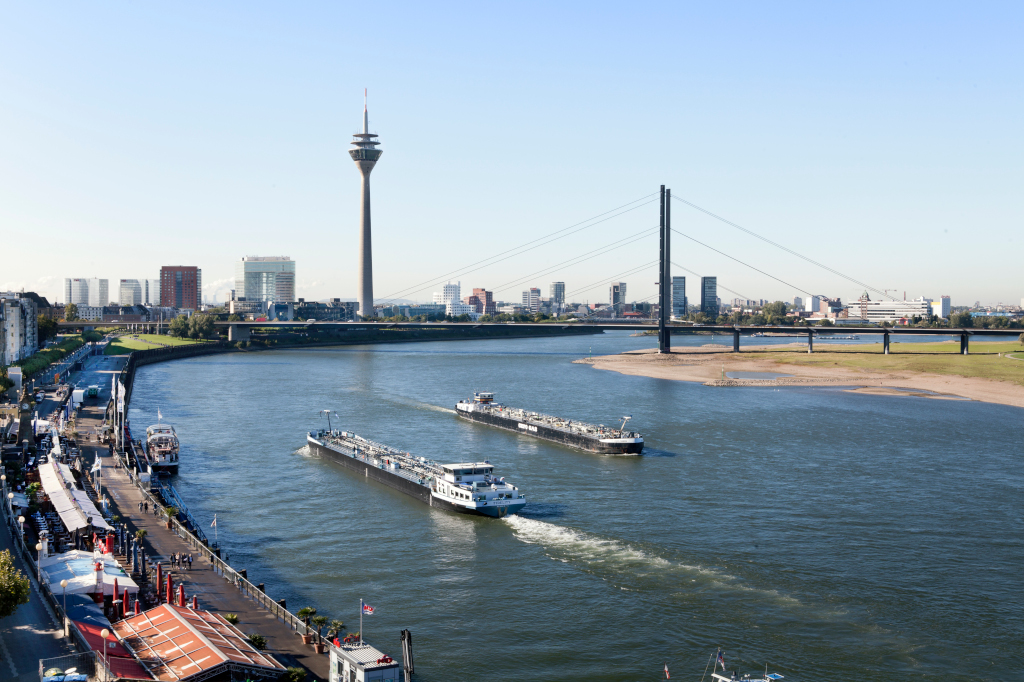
x=334 y=629
x=140 y=533
x=172 y=512
x=319 y=622
x=305 y=613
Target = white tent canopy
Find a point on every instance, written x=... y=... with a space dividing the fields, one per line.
x=74 y=506
x=79 y=569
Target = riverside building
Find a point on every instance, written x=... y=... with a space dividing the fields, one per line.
x=709 y=304
x=265 y=278
x=679 y=303
x=181 y=286
x=19 y=327
x=131 y=292
x=889 y=311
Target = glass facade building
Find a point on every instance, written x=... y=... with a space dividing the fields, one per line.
x=270 y=278
x=679 y=302
x=709 y=296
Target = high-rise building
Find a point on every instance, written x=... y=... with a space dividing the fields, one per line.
x=365 y=155
x=941 y=307
x=617 y=295
x=709 y=296
x=557 y=293
x=813 y=304
x=181 y=286
x=449 y=292
x=679 y=302
x=131 y=292
x=531 y=299
x=152 y=292
x=86 y=291
x=19 y=326
x=483 y=300
x=265 y=278
x=798 y=303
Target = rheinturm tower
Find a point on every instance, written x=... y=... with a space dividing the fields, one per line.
x=365 y=155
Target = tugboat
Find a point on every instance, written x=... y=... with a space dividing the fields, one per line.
x=464 y=487
x=590 y=437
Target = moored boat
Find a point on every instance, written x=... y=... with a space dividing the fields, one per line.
x=161 y=448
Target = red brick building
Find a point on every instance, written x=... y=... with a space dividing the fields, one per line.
x=484 y=301
x=181 y=286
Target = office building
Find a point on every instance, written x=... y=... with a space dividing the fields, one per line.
x=449 y=292
x=181 y=286
x=557 y=294
x=941 y=307
x=365 y=155
x=482 y=301
x=265 y=278
x=151 y=294
x=131 y=292
x=709 y=304
x=798 y=303
x=617 y=295
x=19 y=327
x=888 y=311
x=531 y=299
x=813 y=304
x=679 y=302
x=89 y=291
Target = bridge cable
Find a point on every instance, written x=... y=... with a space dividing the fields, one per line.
x=528 y=246
x=780 y=246
x=742 y=263
x=607 y=248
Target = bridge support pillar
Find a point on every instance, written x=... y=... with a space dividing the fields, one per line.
x=885 y=342
x=237 y=332
x=736 y=341
x=810 y=341
x=964 y=343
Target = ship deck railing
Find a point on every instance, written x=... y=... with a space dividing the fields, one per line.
x=559 y=424
x=410 y=467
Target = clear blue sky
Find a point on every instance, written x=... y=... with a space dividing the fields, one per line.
x=882 y=139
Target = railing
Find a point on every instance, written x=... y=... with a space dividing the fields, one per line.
x=170 y=495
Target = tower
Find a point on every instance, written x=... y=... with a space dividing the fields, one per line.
x=365 y=155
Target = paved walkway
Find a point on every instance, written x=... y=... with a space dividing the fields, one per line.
x=32 y=632
x=214 y=592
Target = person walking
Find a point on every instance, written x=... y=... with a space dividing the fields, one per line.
x=190 y=561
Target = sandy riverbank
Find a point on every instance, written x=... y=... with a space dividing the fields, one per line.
x=708 y=365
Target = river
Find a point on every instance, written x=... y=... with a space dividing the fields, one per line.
x=828 y=534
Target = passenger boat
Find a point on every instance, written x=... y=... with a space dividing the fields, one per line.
x=162 y=449
x=464 y=487
x=590 y=437
x=719 y=657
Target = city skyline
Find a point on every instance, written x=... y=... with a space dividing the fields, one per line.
x=842 y=161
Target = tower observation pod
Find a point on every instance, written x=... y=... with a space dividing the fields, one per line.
x=365 y=155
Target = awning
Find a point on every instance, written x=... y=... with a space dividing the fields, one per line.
x=79 y=569
x=76 y=511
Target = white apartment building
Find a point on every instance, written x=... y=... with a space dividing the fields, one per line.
x=19 y=327
x=531 y=299
x=888 y=311
x=456 y=308
x=151 y=292
x=449 y=293
x=814 y=304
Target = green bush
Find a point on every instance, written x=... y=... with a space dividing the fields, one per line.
x=41 y=360
x=258 y=642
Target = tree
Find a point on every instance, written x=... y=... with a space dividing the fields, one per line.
x=774 y=310
x=178 y=327
x=70 y=312
x=1021 y=339
x=293 y=674
x=14 y=587
x=200 y=326
x=234 y=318
x=319 y=622
x=47 y=329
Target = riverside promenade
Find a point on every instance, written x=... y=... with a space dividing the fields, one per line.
x=214 y=584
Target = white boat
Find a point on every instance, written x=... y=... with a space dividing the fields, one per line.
x=733 y=676
x=162 y=448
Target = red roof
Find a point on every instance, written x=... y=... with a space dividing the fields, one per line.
x=176 y=643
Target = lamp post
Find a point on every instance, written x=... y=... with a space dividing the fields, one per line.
x=104 y=634
x=39 y=562
x=21 y=525
x=64 y=587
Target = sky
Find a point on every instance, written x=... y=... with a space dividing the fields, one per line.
x=882 y=140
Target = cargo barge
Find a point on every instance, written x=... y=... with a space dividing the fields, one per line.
x=590 y=437
x=463 y=487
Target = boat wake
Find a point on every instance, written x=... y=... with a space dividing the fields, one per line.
x=627 y=566
x=304 y=451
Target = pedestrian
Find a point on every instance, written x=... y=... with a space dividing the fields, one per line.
x=140 y=506
x=146 y=506
x=190 y=561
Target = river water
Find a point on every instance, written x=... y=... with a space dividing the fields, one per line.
x=828 y=534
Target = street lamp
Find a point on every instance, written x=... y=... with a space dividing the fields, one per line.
x=21 y=524
x=64 y=587
x=104 y=634
x=39 y=562
x=10 y=502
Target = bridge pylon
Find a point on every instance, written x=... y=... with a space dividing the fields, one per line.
x=665 y=273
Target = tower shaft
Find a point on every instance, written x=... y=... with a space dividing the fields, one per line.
x=365 y=155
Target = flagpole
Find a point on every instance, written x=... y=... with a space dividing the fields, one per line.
x=360 y=622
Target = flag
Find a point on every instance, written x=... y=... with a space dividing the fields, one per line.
x=721 y=659
x=367 y=610
x=214 y=524
x=667 y=676
x=159 y=416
